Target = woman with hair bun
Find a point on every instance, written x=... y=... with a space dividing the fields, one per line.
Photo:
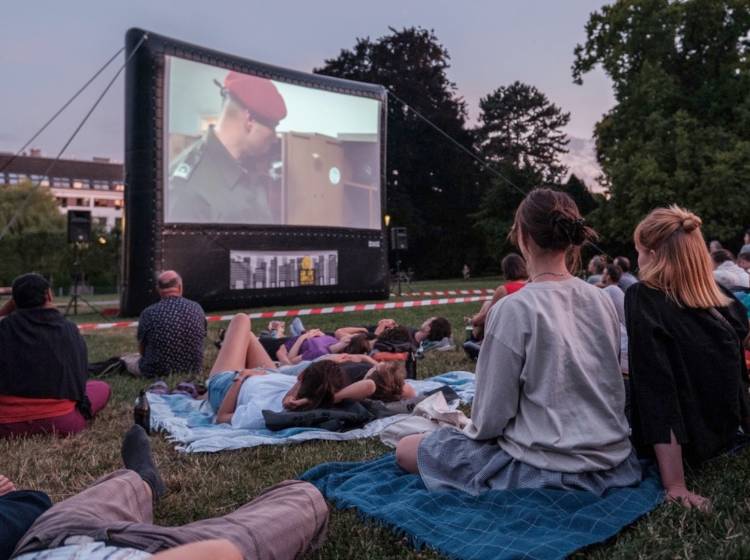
x=550 y=401
x=688 y=378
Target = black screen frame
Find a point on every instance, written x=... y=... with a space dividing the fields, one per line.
x=200 y=252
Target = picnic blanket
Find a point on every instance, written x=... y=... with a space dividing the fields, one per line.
x=189 y=422
x=495 y=525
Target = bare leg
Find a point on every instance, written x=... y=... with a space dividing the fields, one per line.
x=256 y=355
x=406 y=452
x=283 y=355
x=232 y=356
x=218 y=549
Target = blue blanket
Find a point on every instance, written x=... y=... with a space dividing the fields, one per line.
x=496 y=525
x=190 y=422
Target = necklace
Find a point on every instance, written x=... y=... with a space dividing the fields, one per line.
x=557 y=274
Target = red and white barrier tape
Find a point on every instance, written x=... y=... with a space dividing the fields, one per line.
x=310 y=311
x=479 y=292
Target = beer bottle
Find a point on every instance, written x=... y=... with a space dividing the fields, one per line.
x=142 y=412
x=411 y=366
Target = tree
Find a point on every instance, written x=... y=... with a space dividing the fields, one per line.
x=432 y=186
x=38 y=241
x=680 y=129
x=36 y=238
x=522 y=128
x=520 y=136
x=581 y=194
x=36 y=208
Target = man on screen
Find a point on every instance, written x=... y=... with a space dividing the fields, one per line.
x=223 y=177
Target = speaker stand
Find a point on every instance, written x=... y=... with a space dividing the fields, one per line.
x=75 y=295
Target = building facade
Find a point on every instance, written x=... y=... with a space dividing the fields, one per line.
x=95 y=185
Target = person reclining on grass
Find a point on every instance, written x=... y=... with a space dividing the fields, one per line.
x=433 y=330
x=314 y=343
x=549 y=404
x=688 y=378
x=43 y=366
x=244 y=381
x=170 y=333
x=285 y=521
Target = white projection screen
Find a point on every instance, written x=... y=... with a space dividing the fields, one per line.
x=242 y=149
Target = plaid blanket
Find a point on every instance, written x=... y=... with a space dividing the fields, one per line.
x=508 y=524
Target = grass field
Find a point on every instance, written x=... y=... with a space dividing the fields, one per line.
x=202 y=485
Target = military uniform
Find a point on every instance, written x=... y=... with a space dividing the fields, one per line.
x=208 y=185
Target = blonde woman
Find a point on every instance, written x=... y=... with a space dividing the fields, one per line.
x=687 y=373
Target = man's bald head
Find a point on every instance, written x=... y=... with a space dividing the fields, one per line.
x=169 y=284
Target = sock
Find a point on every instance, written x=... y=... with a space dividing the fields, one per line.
x=296 y=328
x=136 y=455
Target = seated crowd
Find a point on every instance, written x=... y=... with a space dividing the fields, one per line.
x=576 y=380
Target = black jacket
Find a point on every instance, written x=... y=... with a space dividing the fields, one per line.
x=687 y=373
x=42 y=355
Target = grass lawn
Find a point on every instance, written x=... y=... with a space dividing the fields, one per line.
x=203 y=485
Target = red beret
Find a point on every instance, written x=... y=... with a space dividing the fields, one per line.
x=258 y=95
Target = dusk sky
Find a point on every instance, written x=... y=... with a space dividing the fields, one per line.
x=49 y=49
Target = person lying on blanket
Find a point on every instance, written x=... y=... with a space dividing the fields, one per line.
x=378 y=329
x=549 y=405
x=244 y=381
x=433 y=329
x=315 y=343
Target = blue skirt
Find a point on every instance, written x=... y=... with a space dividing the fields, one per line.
x=447 y=459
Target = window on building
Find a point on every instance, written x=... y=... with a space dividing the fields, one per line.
x=63 y=202
x=82 y=202
x=100 y=185
x=118 y=223
x=118 y=203
x=102 y=222
x=81 y=184
x=104 y=203
x=61 y=182
x=13 y=178
x=119 y=187
x=41 y=180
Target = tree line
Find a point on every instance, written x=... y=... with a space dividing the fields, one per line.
x=679 y=132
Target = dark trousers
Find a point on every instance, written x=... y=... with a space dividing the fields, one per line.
x=18 y=510
x=271 y=345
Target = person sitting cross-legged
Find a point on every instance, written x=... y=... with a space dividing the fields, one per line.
x=550 y=401
x=43 y=366
x=514 y=272
x=170 y=333
x=113 y=518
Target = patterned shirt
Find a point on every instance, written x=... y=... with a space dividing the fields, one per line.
x=172 y=332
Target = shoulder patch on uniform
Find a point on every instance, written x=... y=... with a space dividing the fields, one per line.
x=183 y=171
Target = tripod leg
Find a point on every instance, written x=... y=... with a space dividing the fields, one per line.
x=90 y=306
x=70 y=302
